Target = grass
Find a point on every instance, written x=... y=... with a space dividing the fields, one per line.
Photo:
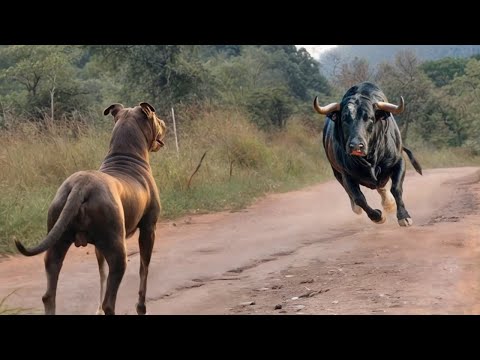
x=241 y=164
x=449 y=157
x=7 y=310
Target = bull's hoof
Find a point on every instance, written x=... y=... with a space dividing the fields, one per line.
x=381 y=221
x=405 y=222
x=141 y=309
x=378 y=217
x=99 y=312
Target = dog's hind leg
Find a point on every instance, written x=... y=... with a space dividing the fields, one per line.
x=145 y=241
x=53 y=264
x=103 y=279
x=116 y=256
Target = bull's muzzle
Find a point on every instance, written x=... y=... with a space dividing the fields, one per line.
x=356 y=148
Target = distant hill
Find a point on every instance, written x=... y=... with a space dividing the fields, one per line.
x=375 y=54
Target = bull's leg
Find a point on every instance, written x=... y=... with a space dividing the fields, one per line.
x=53 y=264
x=356 y=209
x=388 y=201
x=116 y=256
x=398 y=175
x=103 y=279
x=353 y=189
x=145 y=241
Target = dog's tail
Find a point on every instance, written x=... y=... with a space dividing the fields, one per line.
x=70 y=210
x=414 y=161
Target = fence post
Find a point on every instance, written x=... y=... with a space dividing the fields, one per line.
x=175 y=130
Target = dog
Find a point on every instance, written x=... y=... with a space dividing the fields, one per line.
x=105 y=207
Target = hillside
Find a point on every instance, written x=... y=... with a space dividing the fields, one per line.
x=375 y=54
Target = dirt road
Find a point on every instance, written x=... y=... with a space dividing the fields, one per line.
x=303 y=252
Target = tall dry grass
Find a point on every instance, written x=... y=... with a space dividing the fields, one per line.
x=241 y=164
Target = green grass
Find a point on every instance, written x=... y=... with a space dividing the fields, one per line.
x=23 y=214
x=34 y=163
x=449 y=157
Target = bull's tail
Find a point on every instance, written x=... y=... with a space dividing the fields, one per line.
x=70 y=210
x=414 y=161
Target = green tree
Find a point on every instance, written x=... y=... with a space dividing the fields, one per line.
x=443 y=71
x=269 y=66
x=163 y=74
x=44 y=77
x=463 y=96
x=270 y=107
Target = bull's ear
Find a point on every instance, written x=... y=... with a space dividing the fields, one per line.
x=146 y=107
x=113 y=109
x=382 y=115
x=334 y=115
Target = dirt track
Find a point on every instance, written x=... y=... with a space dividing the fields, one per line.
x=307 y=245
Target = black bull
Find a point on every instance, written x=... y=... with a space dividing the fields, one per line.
x=364 y=146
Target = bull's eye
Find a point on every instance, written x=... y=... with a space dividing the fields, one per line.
x=369 y=125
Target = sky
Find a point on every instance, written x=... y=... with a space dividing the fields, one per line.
x=315 y=50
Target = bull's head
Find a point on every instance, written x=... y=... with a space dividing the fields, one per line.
x=358 y=118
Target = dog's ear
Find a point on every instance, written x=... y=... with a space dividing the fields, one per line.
x=113 y=109
x=146 y=107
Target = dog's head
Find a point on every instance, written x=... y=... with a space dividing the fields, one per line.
x=158 y=126
x=145 y=115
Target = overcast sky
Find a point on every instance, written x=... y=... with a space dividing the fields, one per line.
x=315 y=50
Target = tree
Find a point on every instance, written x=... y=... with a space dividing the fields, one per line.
x=270 y=107
x=41 y=72
x=209 y=51
x=404 y=78
x=443 y=71
x=463 y=97
x=354 y=72
x=331 y=63
x=164 y=74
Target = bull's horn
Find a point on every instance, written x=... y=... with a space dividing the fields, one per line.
x=394 y=109
x=326 y=109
